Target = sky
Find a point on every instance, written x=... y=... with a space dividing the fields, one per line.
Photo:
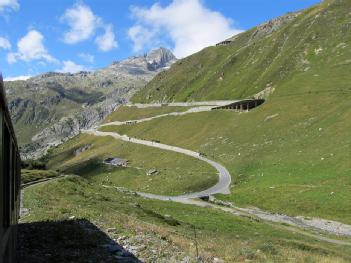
x=38 y=36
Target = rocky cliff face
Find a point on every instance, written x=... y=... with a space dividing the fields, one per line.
x=52 y=107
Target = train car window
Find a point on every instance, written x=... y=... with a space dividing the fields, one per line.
x=17 y=187
x=6 y=173
x=13 y=177
x=17 y=177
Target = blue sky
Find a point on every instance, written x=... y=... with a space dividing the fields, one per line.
x=45 y=35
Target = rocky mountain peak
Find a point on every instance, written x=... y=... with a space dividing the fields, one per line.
x=155 y=60
x=160 y=58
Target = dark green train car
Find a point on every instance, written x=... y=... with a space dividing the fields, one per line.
x=9 y=183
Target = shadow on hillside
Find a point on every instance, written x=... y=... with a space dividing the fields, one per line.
x=70 y=241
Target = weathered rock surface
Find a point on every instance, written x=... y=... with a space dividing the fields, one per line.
x=270 y=26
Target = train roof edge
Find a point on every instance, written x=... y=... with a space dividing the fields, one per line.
x=4 y=105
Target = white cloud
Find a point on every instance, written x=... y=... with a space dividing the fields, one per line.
x=82 y=23
x=87 y=57
x=107 y=41
x=7 y=5
x=71 y=67
x=5 y=43
x=140 y=36
x=187 y=23
x=31 y=47
x=25 y=77
x=11 y=58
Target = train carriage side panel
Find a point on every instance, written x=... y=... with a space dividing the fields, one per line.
x=9 y=184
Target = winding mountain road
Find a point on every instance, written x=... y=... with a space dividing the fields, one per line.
x=192 y=110
x=223 y=187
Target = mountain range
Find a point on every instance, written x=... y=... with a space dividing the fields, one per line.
x=51 y=107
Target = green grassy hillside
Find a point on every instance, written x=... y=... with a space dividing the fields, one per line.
x=176 y=173
x=28 y=176
x=292 y=54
